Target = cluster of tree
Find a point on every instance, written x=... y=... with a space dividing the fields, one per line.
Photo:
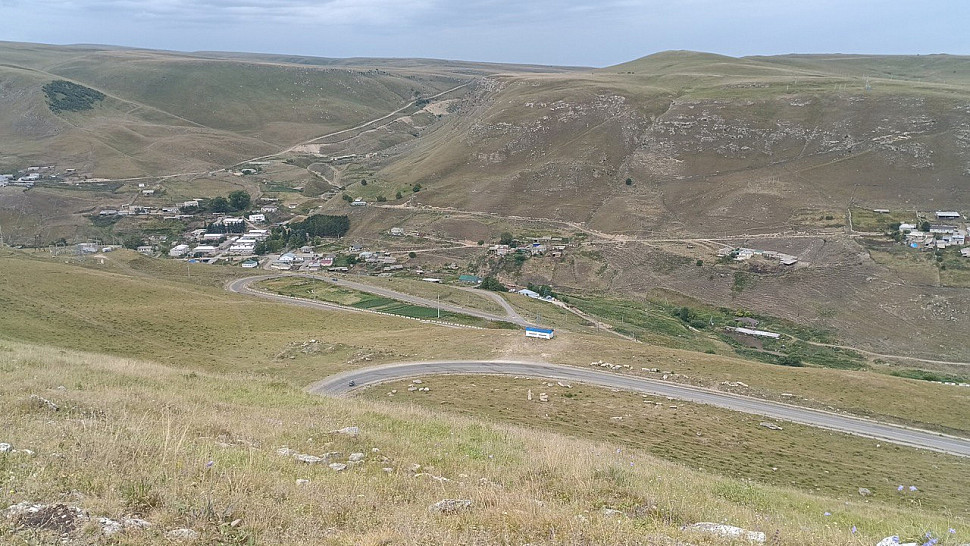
x=281 y=238
x=690 y=318
x=323 y=225
x=238 y=227
x=237 y=201
x=65 y=96
x=491 y=283
x=543 y=290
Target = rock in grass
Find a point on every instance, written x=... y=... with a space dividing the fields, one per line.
x=338 y=467
x=356 y=457
x=894 y=541
x=611 y=512
x=182 y=534
x=349 y=431
x=5 y=447
x=308 y=459
x=865 y=492
x=770 y=426
x=450 y=506
x=727 y=531
x=111 y=527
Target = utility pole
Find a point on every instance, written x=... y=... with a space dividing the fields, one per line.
x=439 y=306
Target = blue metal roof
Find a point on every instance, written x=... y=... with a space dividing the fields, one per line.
x=542 y=330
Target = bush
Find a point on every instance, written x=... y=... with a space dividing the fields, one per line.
x=416 y=188
x=347 y=198
x=412 y=255
x=629 y=181
x=381 y=199
x=398 y=196
x=790 y=360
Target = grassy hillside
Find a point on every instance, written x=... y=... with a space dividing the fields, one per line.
x=169 y=112
x=195 y=450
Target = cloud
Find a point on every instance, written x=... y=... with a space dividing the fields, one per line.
x=304 y=12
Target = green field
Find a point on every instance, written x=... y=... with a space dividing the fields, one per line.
x=324 y=291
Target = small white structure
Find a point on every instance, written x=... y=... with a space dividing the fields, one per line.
x=287 y=258
x=205 y=249
x=947 y=215
x=756 y=333
x=178 y=251
x=907 y=227
x=541 y=333
x=965 y=252
x=257 y=218
x=430 y=279
x=397 y=232
x=359 y=203
x=250 y=264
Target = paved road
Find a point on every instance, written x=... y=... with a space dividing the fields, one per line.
x=339 y=385
x=242 y=286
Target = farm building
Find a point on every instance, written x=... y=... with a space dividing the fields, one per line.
x=947 y=215
x=541 y=333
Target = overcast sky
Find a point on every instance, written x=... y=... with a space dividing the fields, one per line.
x=567 y=32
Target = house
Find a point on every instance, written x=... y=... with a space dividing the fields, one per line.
x=338 y=269
x=942 y=229
x=529 y=293
x=471 y=279
x=281 y=266
x=355 y=248
x=327 y=261
x=257 y=218
x=204 y=249
x=431 y=279
x=145 y=249
x=287 y=258
x=965 y=252
x=250 y=264
x=397 y=232
x=148 y=192
x=881 y=211
x=258 y=234
x=947 y=215
x=359 y=203
x=500 y=250
x=268 y=208
x=213 y=237
x=907 y=227
x=178 y=251
x=541 y=333
x=229 y=221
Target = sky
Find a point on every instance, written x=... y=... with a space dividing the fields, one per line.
x=566 y=32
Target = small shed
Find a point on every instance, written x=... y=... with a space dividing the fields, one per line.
x=541 y=333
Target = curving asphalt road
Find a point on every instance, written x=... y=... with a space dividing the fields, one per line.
x=339 y=385
x=242 y=286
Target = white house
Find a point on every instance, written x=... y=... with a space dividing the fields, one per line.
x=359 y=203
x=947 y=215
x=257 y=218
x=178 y=251
x=287 y=258
x=205 y=249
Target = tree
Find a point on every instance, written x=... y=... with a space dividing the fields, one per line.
x=219 y=204
x=629 y=181
x=363 y=181
x=684 y=314
x=412 y=255
x=132 y=242
x=381 y=199
x=924 y=225
x=491 y=283
x=398 y=196
x=240 y=200
x=506 y=238
x=347 y=198
x=416 y=188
